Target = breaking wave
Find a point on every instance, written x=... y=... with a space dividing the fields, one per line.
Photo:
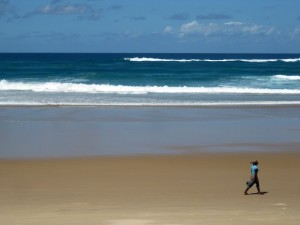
x=288 y=77
x=122 y=89
x=63 y=103
x=146 y=59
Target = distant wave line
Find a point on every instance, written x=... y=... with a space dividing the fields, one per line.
x=58 y=87
x=287 y=77
x=146 y=59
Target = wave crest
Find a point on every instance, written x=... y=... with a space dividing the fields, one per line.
x=146 y=59
x=287 y=77
x=122 y=89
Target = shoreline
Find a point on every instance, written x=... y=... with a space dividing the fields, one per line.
x=270 y=104
x=183 y=154
x=43 y=132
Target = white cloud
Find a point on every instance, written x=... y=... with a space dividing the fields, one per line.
x=191 y=27
x=233 y=23
x=224 y=29
x=80 y=10
x=63 y=9
x=196 y=28
x=168 y=29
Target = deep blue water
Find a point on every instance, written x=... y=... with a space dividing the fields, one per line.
x=149 y=79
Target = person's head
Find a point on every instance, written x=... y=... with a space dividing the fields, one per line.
x=255 y=162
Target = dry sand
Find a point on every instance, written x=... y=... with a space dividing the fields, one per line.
x=136 y=190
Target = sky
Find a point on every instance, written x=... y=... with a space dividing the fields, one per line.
x=171 y=26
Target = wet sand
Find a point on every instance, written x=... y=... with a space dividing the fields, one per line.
x=38 y=132
x=148 y=165
x=177 y=189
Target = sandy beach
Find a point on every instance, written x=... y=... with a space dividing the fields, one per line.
x=182 y=189
x=136 y=166
x=149 y=112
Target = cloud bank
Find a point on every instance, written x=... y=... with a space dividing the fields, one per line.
x=232 y=28
x=81 y=10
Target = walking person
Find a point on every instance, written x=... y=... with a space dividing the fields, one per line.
x=254 y=178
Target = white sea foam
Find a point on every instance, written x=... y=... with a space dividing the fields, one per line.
x=146 y=59
x=225 y=103
x=291 y=60
x=288 y=77
x=58 y=87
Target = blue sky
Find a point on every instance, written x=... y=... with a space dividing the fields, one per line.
x=243 y=26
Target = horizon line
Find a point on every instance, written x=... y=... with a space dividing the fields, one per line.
x=294 y=53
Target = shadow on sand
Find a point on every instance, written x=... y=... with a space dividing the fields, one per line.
x=261 y=193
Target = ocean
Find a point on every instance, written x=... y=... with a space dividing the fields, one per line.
x=149 y=79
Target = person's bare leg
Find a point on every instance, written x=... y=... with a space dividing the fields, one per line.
x=258 y=191
x=246 y=191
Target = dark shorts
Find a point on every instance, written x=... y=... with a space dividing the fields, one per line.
x=253 y=181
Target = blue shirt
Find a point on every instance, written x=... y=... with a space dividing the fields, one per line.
x=254 y=169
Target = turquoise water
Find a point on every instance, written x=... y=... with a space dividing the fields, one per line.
x=149 y=79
